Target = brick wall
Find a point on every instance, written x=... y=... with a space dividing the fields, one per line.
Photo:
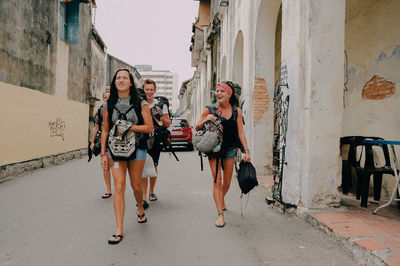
x=377 y=88
x=261 y=99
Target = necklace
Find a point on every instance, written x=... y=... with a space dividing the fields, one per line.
x=225 y=113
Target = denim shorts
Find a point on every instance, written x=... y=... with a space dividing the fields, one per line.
x=140 y=155
x=228 y=154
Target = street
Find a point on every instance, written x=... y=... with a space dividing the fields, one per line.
x=55 y=216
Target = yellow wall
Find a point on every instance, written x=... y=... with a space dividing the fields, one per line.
x=25 y=133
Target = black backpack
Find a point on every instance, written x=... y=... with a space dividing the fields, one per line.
x=247 y=177
x=161 y=134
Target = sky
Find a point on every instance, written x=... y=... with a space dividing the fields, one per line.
x=151 y=32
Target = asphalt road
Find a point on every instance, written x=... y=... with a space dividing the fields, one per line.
x=55 y=216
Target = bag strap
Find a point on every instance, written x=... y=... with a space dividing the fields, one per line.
x=201 y=161
x=216 y=169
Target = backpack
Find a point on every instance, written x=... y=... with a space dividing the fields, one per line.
x=121 y=140
x=161 y=135
x=247 y=177
x=216 y=153
x=161 y=101
x=209 y=139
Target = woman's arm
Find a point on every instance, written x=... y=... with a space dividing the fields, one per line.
x=104 y=136
x=205 y=116
x=147 y=126
x=242 y=136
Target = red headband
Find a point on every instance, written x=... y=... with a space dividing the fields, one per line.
x=226 y=87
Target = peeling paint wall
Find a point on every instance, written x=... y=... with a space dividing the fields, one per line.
x=312 y=48
x=79 y=67
x=372 y=44
x=372 y=76
x=266 y=54
x=42 y=74
x=28 y=43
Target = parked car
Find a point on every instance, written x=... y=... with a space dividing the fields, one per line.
x=181 y=133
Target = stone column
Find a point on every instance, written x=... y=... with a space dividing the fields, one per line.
x=313 y=52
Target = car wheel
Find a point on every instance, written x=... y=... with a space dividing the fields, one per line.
x=190 y=147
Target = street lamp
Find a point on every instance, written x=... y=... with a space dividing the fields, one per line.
x=224 y=3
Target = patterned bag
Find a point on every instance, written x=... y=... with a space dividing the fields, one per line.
x=210 y=138
x=121 y=140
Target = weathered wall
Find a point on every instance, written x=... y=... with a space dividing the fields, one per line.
x=373 y=65
x=39 y=124
x=113 y=64
x=28 y=43
x=98 y=77
x=79 y=67
x=373 y=82
x=312 y=49
x=263 y=107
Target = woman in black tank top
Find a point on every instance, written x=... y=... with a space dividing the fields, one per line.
x=232 y=130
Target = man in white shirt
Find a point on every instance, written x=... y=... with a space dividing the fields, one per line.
x=160 y=119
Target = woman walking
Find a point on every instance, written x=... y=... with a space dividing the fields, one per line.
x=233 y=137
x=98 y=126
x=124 y=96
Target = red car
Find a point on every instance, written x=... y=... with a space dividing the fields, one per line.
x=181 y=133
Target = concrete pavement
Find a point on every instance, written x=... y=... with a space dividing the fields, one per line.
x=55 y=216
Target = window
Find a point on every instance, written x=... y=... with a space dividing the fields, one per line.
x=69 y=21
x=179 y=123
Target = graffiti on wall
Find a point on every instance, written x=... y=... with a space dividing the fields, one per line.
x=377 y=88
x=57 y=128
x=281 y=113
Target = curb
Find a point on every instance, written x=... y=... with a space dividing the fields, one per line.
x=11 y=171
x=362 y=256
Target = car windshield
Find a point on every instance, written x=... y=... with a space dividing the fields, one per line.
x=179 y=123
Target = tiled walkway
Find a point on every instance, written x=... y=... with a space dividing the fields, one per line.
x=377 y=235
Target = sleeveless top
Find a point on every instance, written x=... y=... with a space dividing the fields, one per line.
x=229 y=126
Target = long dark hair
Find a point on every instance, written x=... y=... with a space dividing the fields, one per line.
x=234 y=99
x=112 y=100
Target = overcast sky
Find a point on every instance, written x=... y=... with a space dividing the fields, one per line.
x=152 y=32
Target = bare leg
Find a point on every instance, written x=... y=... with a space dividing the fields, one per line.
x=228 y=171
x=119 y=174
x=217 y=190
x=153 y=182
x=135 y=170
x=107 y=176
x=144 y=182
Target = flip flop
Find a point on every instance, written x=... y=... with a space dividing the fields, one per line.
x=114 y=242
x=106 y=195
x=220 y=225
x=140 y=217
x=152 y=197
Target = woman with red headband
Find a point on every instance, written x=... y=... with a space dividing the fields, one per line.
x=227 y=102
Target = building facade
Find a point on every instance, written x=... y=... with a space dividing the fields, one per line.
x=311 y=72
x=166 y=81
x=185 y=101
x=52 y=76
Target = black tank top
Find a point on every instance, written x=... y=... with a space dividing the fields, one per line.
x=228 y=139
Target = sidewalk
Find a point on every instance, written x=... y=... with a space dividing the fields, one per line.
x=373 y=239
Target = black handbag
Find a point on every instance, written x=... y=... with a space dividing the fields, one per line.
x=97 y=146
x=247 y=177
